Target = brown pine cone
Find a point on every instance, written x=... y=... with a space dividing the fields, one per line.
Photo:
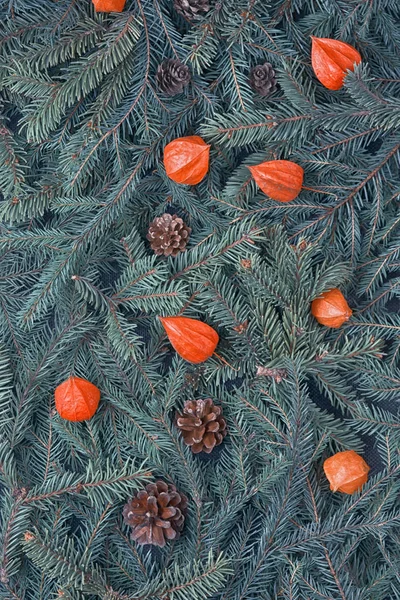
x=168 y=235
x=262 y=79
x=156 y=514
x=202 y=425
x=172 y=76
x=190 y=9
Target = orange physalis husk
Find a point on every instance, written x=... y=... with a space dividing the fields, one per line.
x=109 y=5
x=186 y=159
x=280 y=179
x=331 y=309
x=346 y=472
x=77 y=399
x=193 y=340
x=331 y=59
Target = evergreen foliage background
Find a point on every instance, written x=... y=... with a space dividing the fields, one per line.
x=82 y=131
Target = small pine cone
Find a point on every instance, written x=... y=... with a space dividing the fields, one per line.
x=202 y=425
x=277 y=374
x=20 y=493
x=192 y=378
x=156 y=514
x=191 y=9
x=172 y=76
x=262 y=79
x=168 y=235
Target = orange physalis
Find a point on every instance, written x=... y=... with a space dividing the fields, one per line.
x=186 y=159
x=331 y=309
x=280 y=179
x=109 y=5
x=193 y=340
x=346 y=472
x=77 y=399
x=331 y=59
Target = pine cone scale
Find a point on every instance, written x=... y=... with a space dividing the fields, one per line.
x=175 y=500
x=152 y=506
x=162 y=523
x=209 y=440
x=188 y=439
x=163 y=499
x=170 y=533
x=197 y=448
x=211 y=417
x=213 y=427
x=169 y=512
x=156 y=536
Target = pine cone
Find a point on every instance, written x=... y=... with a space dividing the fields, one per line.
x=202 y=425
x=168 y=235
x=262 y=79
x=172 y=76
x=156 y=514
x=190 y=9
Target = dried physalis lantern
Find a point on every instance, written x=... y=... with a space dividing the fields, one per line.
x=281 y=180
x=193 y=340
x=77 y=399
x=331 y=59
x=108 y=6
x=346 y=472
x=331 y=309
x=186 y=159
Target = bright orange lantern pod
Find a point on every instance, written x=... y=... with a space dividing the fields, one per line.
x=77 y=399
x=281 y=180
x=193 y=340
x=331 y=309
x=186 y=159
x=108 y=6
x=346 y=472
x=331 y=59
